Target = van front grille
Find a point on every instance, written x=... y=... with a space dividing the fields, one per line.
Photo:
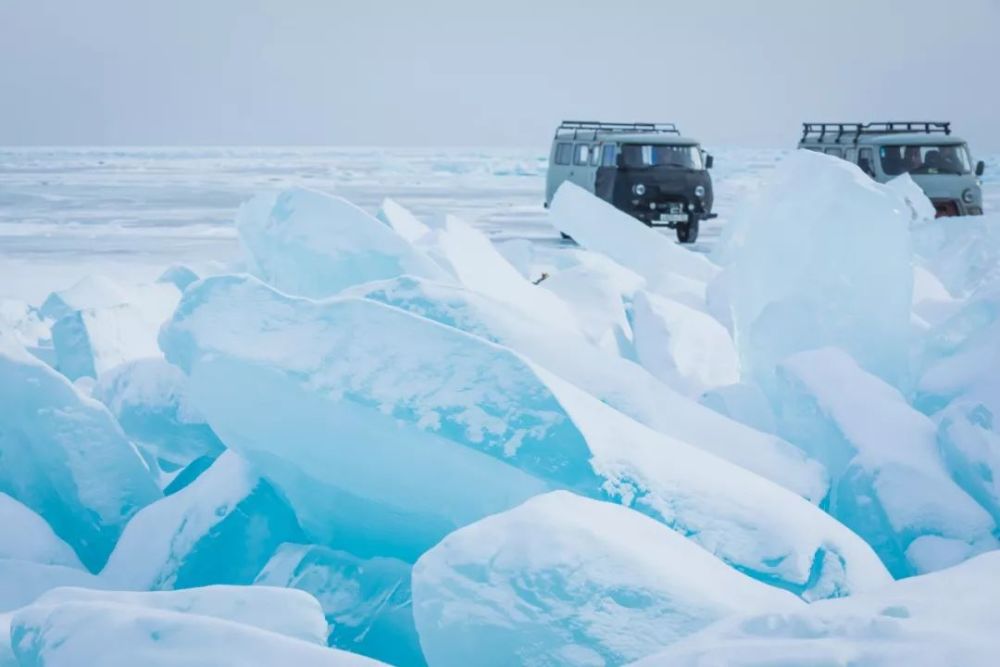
x=945 y=208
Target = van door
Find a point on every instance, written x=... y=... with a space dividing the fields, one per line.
x=582 y=172
x=866 y=160
x=607 y=169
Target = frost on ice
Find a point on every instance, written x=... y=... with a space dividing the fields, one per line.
x=64 y=456
x=564 y=580
x=624 y=385
x=350 y=394
x=463 y=428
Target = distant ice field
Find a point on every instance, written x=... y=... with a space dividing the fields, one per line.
x=130 y=212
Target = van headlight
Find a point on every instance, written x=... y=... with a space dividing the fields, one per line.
x=639 y=189
x=968 y=196
x=699 y=191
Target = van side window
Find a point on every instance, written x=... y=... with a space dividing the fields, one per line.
x=563 y=152
x=608 y=155
x=835 y=152
x=582 y=154
x=595 y=156
x=851 y=154
x=866 y=160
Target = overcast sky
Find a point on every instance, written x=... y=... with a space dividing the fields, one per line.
x=461 y=72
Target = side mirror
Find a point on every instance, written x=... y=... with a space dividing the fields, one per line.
x=709 y=161
x=980 y=168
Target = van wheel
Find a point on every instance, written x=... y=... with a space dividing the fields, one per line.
x=688 y=232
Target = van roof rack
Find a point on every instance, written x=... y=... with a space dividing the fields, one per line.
x=854 y=131
x=593 y=127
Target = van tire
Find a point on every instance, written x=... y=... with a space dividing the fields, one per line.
x=688 y=232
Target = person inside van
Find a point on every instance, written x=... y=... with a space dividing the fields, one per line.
x=892 y=160
x=932 y=161
x=950 y=161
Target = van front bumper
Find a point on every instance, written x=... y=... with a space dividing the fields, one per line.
x=950 y=208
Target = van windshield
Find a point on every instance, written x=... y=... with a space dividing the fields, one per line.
x=925 y=159
x=640 y=155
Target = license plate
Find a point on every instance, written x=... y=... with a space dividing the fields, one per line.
x=673 y=217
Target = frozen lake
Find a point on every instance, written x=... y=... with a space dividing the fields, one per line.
x=130 y=212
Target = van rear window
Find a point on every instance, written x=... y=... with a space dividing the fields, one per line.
x=564 y=152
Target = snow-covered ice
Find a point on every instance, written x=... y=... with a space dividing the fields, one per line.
x=969 y=438
x=64 y=456
x=26 y=536
x=564 y=580
x=600 y=306
x=281 y=610
x=682 y=346
x=149 y=398
x=890 y=484
x=24 y=322
x=624 y=385
x=309 y=243
x=450 y=406
x=402 y=220
x=598 y=226
x=99 y=324
x=222 y=528
x=179 y=276
x=944 y=618
x=427 y=411
x=90 y=342
x=122 y=633
x=743 y=402
x=7 y=657
x=469 y=257
x=22 y=581
x=823 y=258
